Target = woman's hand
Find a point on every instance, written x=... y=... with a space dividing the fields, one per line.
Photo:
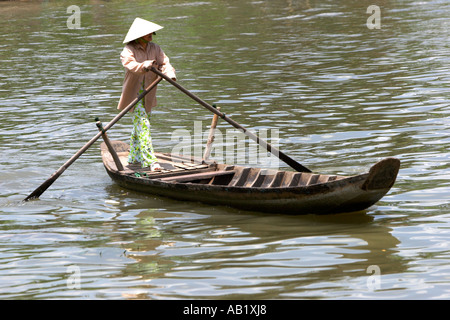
x=148 y=64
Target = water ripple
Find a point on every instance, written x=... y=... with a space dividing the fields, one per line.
x=339 y=95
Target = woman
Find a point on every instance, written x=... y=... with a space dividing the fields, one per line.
x=139 y=55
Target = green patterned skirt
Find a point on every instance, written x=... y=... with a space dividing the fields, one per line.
x=141 y=148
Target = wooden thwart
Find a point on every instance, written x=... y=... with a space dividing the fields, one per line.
x=197 y=176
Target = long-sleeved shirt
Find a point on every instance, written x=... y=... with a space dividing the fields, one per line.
x=133 y=57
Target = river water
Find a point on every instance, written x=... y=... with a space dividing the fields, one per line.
x=331 y=92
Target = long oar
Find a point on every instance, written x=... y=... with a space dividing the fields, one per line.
x=282 y=156
x=41 y=189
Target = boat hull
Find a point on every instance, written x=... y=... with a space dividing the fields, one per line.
x=344 y=194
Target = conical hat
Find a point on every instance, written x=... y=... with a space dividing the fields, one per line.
x=140 y=28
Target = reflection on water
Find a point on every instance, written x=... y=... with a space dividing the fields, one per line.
x=255 y=260
x=340 y=95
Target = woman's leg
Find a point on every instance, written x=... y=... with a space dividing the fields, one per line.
x=141 y=148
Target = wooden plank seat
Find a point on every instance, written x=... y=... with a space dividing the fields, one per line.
x=198 y=176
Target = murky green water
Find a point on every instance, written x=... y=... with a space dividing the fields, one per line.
x=341 y=96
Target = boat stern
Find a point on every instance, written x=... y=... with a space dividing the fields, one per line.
x=382 y=175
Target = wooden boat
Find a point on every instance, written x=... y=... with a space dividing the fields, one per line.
x=256 y=189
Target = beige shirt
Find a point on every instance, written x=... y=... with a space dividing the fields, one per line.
x=133 y=57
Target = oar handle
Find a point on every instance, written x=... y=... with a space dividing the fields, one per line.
x=187 y=92
x=282 y=156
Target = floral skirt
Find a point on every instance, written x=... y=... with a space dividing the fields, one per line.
x=141 y=148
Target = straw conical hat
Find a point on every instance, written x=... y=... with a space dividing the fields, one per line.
x=140 y=28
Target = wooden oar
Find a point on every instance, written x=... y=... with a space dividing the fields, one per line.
x=41 y=189
x=210 y=137
x=109 y=145
x=282 y=156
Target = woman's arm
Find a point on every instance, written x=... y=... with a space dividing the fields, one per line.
x=129 y=62
x=165 y=66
